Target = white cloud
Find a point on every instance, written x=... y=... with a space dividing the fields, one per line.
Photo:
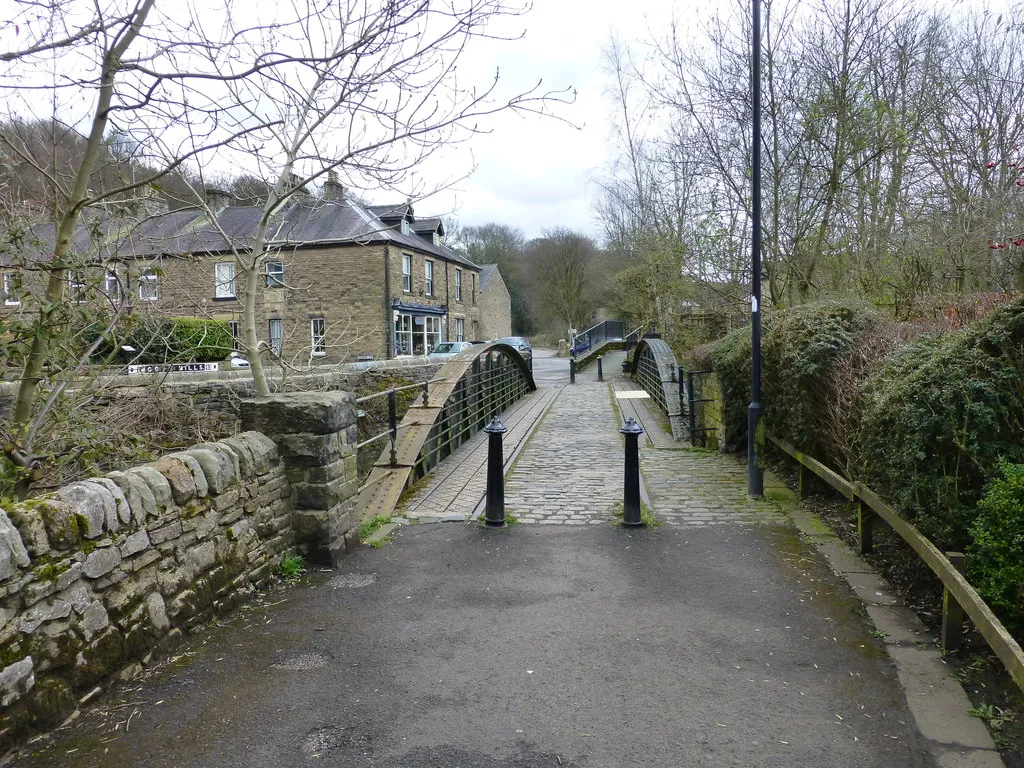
x=534 y=173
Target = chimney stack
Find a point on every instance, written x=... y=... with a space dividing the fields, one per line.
x=334 y=190
x=217 y=199
x=150 y=203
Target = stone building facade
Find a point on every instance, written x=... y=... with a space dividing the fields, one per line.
x=345 y=281
x=495 y=303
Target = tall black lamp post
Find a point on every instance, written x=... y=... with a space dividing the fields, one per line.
x=755 y=435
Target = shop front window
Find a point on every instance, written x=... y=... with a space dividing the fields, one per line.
x=432 y=331
x=403 y=334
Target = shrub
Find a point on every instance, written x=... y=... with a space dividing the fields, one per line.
x=198 y=340
x=171 y=340
x=937 y=418
x=798 y=347
x=731 y=363
x=799 y=351
x=995 y=562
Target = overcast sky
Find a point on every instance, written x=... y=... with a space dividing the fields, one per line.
x=534 y=173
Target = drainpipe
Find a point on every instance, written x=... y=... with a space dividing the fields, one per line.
x=388 y=317
x=447 y=302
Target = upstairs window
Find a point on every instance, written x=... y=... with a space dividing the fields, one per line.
x=12 y=288
x=428 y=271
x=407 y=273
x=147 y=286
x=318 y=332
x=275 y=274
x=458 y=285
x=224 y=280
x=405 y=226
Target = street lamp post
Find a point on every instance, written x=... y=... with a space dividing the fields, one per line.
x=755 y=434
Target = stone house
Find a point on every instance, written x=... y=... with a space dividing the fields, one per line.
x=345 y=281
x=495 y=304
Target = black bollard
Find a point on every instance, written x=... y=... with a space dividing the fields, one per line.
x=572 y=370
x=600 y=370
x=495 y=513
x=631 y=489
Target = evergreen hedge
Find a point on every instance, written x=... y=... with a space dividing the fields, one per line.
x=938 y=417
x=171 y=340
x=995 y=558
x=928 y=425
x=798 y=348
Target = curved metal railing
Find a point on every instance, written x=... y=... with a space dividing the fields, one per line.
x=653 y=367
x=468 y=391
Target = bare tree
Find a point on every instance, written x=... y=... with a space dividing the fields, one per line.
x=288 y=92
x=565 y=268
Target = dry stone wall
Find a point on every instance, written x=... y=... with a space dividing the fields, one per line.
x=104 y=574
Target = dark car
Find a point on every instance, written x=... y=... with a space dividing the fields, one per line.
x=520 y=343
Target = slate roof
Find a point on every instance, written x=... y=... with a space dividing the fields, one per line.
x=486 y=272
x=301 y=223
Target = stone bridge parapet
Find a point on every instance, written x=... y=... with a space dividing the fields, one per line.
x=106 y=574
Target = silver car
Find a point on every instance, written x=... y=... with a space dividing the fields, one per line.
x=446 y=350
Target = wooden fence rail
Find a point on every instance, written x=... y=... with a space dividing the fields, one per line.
x=959 y=596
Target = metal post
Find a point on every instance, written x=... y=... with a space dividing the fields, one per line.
x=755 y=437
x=393 y=423
x=572 y=370
x=495 y=513
x=691 y=415
x=600 y=370
x=631 y=485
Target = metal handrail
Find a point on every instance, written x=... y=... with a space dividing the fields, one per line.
x=575 y=346
x=392 y=396
x=487 y=389
x=630 y=341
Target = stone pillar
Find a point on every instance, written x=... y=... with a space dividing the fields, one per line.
x=316 y=434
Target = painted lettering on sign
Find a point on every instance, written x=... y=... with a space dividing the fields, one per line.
x=132 y=370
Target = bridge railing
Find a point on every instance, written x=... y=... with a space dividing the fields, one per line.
x=633 y=338
x=392 y=424
x=492 y=382
x=653 y=367
x=470 y=389
x=606 y=330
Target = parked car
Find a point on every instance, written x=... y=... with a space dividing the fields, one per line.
x=446 y=350
x=236 y=360
x=520 y=343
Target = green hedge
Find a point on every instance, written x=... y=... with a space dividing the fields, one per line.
x=931 y=420
x=170 y=340
x=938 y=417
x=995 y=558
x=798 y=347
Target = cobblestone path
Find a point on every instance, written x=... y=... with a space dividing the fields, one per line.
x=571 y=470
x=694 y=488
